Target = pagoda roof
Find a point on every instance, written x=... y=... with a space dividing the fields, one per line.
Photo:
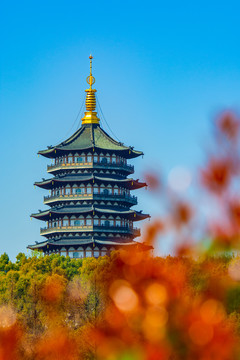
x=66 y=210
x=90 y=136
x=88 y=241
x=128 y=182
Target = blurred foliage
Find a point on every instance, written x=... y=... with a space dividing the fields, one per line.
x=131 y=305
x=124 y=306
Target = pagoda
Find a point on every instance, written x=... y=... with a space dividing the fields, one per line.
x=90 y=203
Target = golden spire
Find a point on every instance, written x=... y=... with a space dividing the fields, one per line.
x=90 y=116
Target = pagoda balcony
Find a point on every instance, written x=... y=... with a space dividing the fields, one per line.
x=88 y=228
x=89 y=165
x=107 y=197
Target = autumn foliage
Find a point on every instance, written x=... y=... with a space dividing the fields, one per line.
x=131 y=305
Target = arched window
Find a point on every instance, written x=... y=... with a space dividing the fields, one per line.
x=81 y=252
x=88 y=220
x=114 y=159
x=67 y=190
x=70 y=158
x=71 y=250
x=74 y=189
x=102 y=220
x=96 y=252
x=95 y=221
x=104 y=251
x=89 y=189
x=88 y=252
x=102 y=188
x=80 y=159
x=105 y=191
x=76 y=157
x=65 y=221
x=63 y=252
x=107 y=223
x=89 y=157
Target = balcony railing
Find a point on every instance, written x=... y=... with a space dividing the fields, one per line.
x=86 y=228
x=111 y=197
x=100 y=164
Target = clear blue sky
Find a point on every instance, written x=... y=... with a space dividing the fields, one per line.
x=162 y=70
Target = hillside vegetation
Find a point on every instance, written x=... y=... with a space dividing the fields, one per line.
x=119 y=307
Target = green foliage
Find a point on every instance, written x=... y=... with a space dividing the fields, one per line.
x=86 y=283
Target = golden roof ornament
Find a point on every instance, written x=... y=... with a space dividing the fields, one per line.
x=90 y=116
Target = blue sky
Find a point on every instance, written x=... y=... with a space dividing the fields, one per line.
x=162 y=69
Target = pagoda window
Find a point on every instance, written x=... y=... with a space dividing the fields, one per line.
x=81 y=252
x=78 y=191
x=114 y=159
x=80 y=159
x=82 y=188
x=105 y=191
x=115 y=191
x=70 y=159
x=107 y=223
x=82 y=222
x=70 y=252
x=95 y=222
x=95 y=158
x=89 y=157
x=88 y=222
x=89 y=189
x=95 y=189
x=63 y=252
x=102 y=221
x=76 y=156
x=75 y=255
x=88 y=252
x=65 y=222
x=67 y=190
x=96 y=252
x=104 y=251
x=111 y=222
x=104 y=160
x=118 y=222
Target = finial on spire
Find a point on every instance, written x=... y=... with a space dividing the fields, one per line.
x=90 y=78
x=90 y=116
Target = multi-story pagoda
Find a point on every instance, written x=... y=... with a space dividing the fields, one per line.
x=90 y=205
